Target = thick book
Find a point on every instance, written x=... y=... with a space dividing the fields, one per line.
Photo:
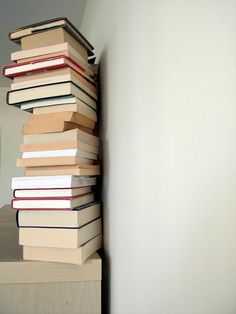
x=53 y=161
x=74 y=170
x=57 y=181
x=68 y=116
x=51 y=203
x=51 y=51
x=53 y=37
x=73 y=256
x=64 y=145
x=53 y=127
x=51 y=193
x=64 y=74
x=71 y=135
x=58 y=218
x=21 y=96
x=59 y=153
x=18 y=33
x=59 y=237
x=80 y=108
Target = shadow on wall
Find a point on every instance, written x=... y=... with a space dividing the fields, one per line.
x=104 y=160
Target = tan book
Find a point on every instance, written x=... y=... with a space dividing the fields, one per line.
x=75 y=170
x=58 y=237
x=51 y=51
x=68 y=116
x=50 y=77
x=46 y=91
x=80 y=107
x=74 y=256
x=58 y=218
x=70 y=135
x=62 y=22
x=52 y=161
x=59 y=146
x=56 y=126
x=53 y=37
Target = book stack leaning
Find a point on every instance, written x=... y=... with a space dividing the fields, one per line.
x=57 y=211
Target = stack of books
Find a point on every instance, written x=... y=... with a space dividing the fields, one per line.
x=54 y=78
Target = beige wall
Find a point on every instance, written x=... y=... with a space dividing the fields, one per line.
x=168 y=77
x=11 y=121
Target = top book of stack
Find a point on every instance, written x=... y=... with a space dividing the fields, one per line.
x=35 y=35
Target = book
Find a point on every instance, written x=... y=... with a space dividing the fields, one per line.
x=53 y=161
x=53 y=127
x=59 y=153
x=75 y=73
x=59 y=237
x=52 y=193
x=63 y=74
x=75 y=170
x=58 y=218
x=68 y=116
x=20 y=96
x=51 y=51
x=53 y=37
x=17 y=34
x=74 y=256
x=53 y=101
x=79 y=107
x=57 y=181
x=71 y=135
x=60 y=203
x=64 y=145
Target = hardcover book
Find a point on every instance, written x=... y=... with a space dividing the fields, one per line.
x=59 y=237
x=75 y=218
x=74 y=256
x=52 y=203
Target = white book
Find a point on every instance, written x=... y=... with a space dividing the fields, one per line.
x=64 y=181
x=59 y=153
x=53 y=193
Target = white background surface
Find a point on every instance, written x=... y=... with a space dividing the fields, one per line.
x=168 y=77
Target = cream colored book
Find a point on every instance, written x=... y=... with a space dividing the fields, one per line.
x=58 y=237
x=62 y=22
x=59 y=218
x=53 y=37
x=53 y=76
x=53 y=161
x=46 y=91
x=74 y=256
x=51 y=51
x=59 y=146
x=80 y=108
x=76 y=79
x=70 y=135
x=74 y=170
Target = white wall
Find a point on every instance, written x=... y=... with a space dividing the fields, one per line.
x=11 y=122
x=168 y=77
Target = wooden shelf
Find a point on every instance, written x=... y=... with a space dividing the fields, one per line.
x=42 y=287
